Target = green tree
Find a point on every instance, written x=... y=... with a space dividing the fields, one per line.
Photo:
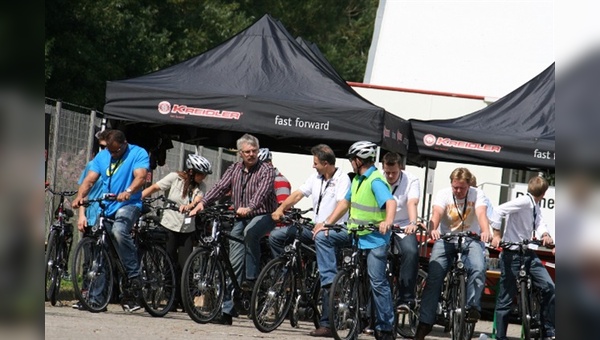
x=89 y=42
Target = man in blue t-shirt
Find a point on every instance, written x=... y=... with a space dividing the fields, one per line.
x=122 y=169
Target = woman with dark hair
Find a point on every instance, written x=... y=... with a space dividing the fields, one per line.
x=185 y=188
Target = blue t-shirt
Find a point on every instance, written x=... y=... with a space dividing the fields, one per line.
x=382 y=194
x=117 y=175
x=93 y=210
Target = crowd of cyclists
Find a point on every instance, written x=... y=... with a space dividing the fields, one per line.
x=385 y=198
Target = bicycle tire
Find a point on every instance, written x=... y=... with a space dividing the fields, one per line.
x=525 y=310
x=273 y=294
x=50 y=271
x=158 y=281
x=202 y=286
x=343 y=303
x=406 y=325
x=92 y=275
x=459 y=303
x=315 y=296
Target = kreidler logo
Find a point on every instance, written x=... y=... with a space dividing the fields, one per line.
x=164 y=107
x=441 y=143
x=429 y=139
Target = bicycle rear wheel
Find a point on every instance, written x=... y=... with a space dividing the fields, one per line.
x=406 y=322
x=51 y=268
x=459 y=301
x=343 y=303
x=158 y=281
x=92 y=275
x=202 y=286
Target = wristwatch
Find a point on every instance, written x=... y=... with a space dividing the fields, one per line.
x=128 y=190
x=412 y=223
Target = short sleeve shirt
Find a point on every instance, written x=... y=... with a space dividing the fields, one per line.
x=328 y=192
x=458 y=217
x=406 y=188
x=173 y=184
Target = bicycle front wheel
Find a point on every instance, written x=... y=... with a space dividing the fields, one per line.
x=272 y=295
x=158 y=281
x=202 y=286
x=92 y=275
x=51 y=268
x=343 y=306
x=459 y=302
x=525 y=310
x=407 y=320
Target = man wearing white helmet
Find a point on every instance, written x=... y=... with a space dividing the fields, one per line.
x=282 y=186
x=185 y=188
x=372 y=203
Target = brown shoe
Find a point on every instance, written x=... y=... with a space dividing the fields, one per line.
x=322 y=332
x=422 y=330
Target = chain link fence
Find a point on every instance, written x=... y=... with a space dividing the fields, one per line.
x=70 y=131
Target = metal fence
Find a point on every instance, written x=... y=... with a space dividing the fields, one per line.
x=70 y=137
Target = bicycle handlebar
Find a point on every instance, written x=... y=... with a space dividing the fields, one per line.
x=61 y=193
x=295 y=215
x=506 y=244
x=462 y=234
x=102 y=198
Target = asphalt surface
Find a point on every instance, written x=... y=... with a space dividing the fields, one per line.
x=64 y=322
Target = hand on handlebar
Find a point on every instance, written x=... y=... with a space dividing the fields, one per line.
x=485 y=236
x=77 y=202
x=496 y=241
x=277 y=215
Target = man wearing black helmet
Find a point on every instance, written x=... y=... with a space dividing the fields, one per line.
x=185 y=188
x=372 y=202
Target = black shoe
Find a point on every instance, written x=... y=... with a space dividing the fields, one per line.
x=422 y=330
x=224 y=319
x=384 y=335
x=248 y=285
x=472 y=315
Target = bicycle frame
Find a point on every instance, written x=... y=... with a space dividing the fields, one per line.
x=58 y=247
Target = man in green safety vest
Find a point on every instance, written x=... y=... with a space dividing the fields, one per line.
x=371 y=201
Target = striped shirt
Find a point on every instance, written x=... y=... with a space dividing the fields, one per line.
x=282 y=186
x=249 y=189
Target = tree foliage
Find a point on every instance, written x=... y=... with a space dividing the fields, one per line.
x=89 y=42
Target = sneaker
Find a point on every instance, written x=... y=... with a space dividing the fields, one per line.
x=384 y=335
x=78 y=305
x=130 y=306
x=422 y=330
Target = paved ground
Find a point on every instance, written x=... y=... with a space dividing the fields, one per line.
x=64 y=322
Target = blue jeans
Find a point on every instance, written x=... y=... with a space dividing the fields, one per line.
x=280 y=237
x=442 y=255
x=246 y=254
x=407 y=248
x=120 y=232
x=380 y=287
x=509 y=266
x=327 y=263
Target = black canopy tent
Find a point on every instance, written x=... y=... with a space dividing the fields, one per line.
x=516 y=132
x=261 y=81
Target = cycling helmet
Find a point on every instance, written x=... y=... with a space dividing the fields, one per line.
x=362 y=149
x=264 y=154
x=198 y=163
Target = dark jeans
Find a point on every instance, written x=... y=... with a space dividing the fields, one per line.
x=407 y=248
x=509 y=266
x=179 y=248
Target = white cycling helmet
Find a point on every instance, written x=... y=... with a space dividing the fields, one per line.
x=264 y=154
x=362 y=149
x=199 y=164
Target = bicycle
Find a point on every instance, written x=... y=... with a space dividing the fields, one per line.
x=453 y=301
x=291 y=279
x=96 y=258
x=60 y=239
x=406 y=316
x=350 y=293
x=529 y=298
x=204 y=275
